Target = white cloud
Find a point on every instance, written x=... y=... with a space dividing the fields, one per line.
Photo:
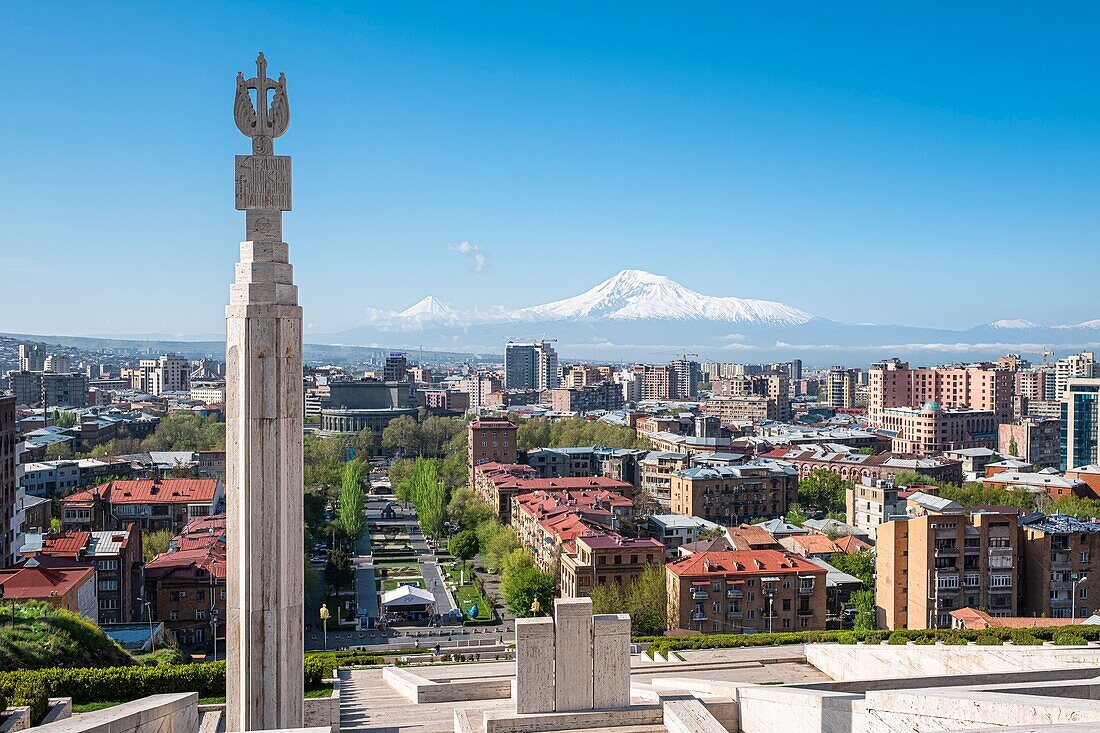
x=476 y=252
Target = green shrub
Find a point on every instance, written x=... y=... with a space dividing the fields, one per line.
x=898 y=638
x=988 y=640
x=952 y=639
x=846 y=637
x=1069 y=637
x=1023 y=638
x=27 y=693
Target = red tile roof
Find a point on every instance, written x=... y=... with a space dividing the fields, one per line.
x=210 y=559
x=615 y=540
x=742 y=562
x=70 y=544
x=972 y=618
x=33 y=580
x=814 y=544
x=149 y=491
x=851 y=544
x=201 y=532
x=751 y=537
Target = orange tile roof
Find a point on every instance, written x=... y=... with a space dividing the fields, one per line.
x=751 y=537
x=148 y=491
x=851 y=544
x=742 y=562
x=974 y=619
x=815 y=544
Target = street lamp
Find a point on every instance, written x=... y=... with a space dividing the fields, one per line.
x=149 y=617
x=324 y=622
x=1072 y=594
x=214 y=630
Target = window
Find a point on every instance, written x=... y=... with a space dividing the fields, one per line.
x=200 y=595
x=200 y=615
x=1082 y=592
x=716 y=607
x=1000 y=581
x=108 y=564
x=108 y=585
x=173 y=615
x=786 y=623
x=947 y=581
x=1084 y=557
x=751 y=614
x=970 y=579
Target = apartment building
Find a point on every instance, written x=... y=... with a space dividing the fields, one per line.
x=1057 y=553
x=58 y=582
x=117 y=560
x=186 y=585
x=654 y=382
x=932 y=428
x=1075 y=366
x=150 y=504
x=841 y=387
x=684 y=378
x=167 y=373
x=873 y=502
x=491 y=439
x=730 y=495
x=479 y=386
x=656 y=471
x=1080 y=423
x=11 y=492
x=530 y=366
x=599 y=396
x=1035 y=440
x=60 y=390
x=545 y=519
x=974 y=387
x=943 y=558
x=745 y=591
x=852 y=466
x=606 y=559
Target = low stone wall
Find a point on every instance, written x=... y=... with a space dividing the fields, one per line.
x=15 y=719
x=319 y=712
x=175 y=713
x=59 y=708
x=844 y=662
x=420 y=690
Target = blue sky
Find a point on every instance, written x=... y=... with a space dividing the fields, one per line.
x=929 y=165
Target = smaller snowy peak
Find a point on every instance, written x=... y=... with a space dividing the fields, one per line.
x=1013 y=323
x=429 y=309
x=1094 y=325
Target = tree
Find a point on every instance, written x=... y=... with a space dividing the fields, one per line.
x=429 y=496
x=155 y=543
x=521 y=588
x=402 y=437
x=64 y=419
x=467 y=510
x=363 y=443
x=823 y=490
x=712 y=533
x=352 y=500
x=463 y=545
x=864 y=603
x=186 y=431
x=795 y=515
x=859 y=564
x=59 y=451
x=496 y=543
x=608 y=598
x=647 y=602
x=1012 y=447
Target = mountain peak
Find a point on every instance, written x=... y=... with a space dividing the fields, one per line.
x=641 y=295
x=427 y=308
x=1013 y=323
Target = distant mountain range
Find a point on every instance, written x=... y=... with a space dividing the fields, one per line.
x=639 y=315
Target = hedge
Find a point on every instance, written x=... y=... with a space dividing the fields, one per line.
x=96 y=684
x=666 y=644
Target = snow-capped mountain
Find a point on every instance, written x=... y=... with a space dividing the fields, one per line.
x=1013 y=323
x=640 y=295
x=429 y=309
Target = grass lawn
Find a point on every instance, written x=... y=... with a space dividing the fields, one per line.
x=467 y=595
x=89 y=707
x=391 y=583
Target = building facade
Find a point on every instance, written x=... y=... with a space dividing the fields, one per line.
x=1037 y=441
x=729 y=495
x=745 y=591
x=1080 y=423
x=532 y=365
x=1057 y=555
x=491 y=440
x=974 y=387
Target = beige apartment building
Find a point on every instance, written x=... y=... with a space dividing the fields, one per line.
x=932 y=428
x=491 y=440
x=979 y=387
x=941 y=559
x=730 y=495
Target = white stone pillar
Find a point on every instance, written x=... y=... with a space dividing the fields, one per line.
x=264 y=422
x=573 y=654
x=535 y=665
x=611 y=661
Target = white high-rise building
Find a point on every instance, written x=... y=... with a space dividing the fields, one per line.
x=168 y=373
x=531 y=365
x=1075 y=366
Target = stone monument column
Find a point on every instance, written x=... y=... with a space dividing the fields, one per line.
x=263 y=345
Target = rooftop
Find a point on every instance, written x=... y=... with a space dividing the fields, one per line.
x=741 y=562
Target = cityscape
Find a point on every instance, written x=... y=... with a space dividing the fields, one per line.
x=626 y=507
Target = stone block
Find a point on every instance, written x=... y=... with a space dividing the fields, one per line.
x=690 y=716
x=610 y=661
x=534 y=665
x=572 y=654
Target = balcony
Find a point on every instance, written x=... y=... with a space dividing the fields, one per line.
x=946 y=552
x=734 y=593
x=805 y=612
x=1000 y=558
x=734 y=614
x=699 y=595
x=699 y=616
x=805 y=590
x=1059 y=559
